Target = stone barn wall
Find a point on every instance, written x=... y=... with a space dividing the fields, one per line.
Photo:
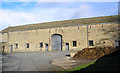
x=100 y=34
x=104 y=34
x=0 y=47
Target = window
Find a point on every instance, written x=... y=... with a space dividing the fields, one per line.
x=74 y=43
x=103 y=29
x=91 y=43
x=62 y=30
x=16 y=46
x=102 y=25
x=117 y=43
x=41 y=45
x=90 y=26
x=49 y=31
x=27 y=45
x=46 y=44
x=103 y=42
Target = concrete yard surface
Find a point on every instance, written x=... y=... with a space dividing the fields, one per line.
x=69 y=63
x=37 y=61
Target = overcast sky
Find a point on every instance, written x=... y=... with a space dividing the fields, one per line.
x=24 y=12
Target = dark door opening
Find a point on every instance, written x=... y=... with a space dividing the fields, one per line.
x=67 y=46
x=11 y=48
x=46 y=46
x=3 y=49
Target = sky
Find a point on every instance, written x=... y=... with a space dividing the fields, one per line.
x=22 y=12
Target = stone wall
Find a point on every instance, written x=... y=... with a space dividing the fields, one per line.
x=0 y=43
x=101 y=34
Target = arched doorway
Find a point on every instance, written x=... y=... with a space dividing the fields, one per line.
x=56 y=42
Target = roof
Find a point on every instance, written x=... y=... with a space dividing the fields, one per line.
x=73 y=22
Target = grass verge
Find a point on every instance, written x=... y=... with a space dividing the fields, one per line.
x=77 y=68
x=81 y=66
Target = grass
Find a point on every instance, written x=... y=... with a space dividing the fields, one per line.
x=107 y=63
x=81 y=66
x=77 y=68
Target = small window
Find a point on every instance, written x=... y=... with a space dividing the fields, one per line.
x=49 y=31
x=91 y=43
x=16 y=46
x=117 y=43
x=55 y=29
x=90 y=26
x=74 y=43
x=41 y=45
x=46 y=44
x=103 y=42
x=62 y=30
x=102 y=25
x=27 y=45
x=103 y=29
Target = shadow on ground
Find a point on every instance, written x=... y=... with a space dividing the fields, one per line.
x=107 y=63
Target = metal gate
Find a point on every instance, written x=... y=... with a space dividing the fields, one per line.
x=56 y=42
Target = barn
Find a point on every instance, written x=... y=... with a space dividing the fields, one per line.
x=74 y=34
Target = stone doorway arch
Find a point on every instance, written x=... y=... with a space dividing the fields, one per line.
x=56 y=42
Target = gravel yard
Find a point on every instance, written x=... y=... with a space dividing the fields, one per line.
x=69 y=63
x=37 y=61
